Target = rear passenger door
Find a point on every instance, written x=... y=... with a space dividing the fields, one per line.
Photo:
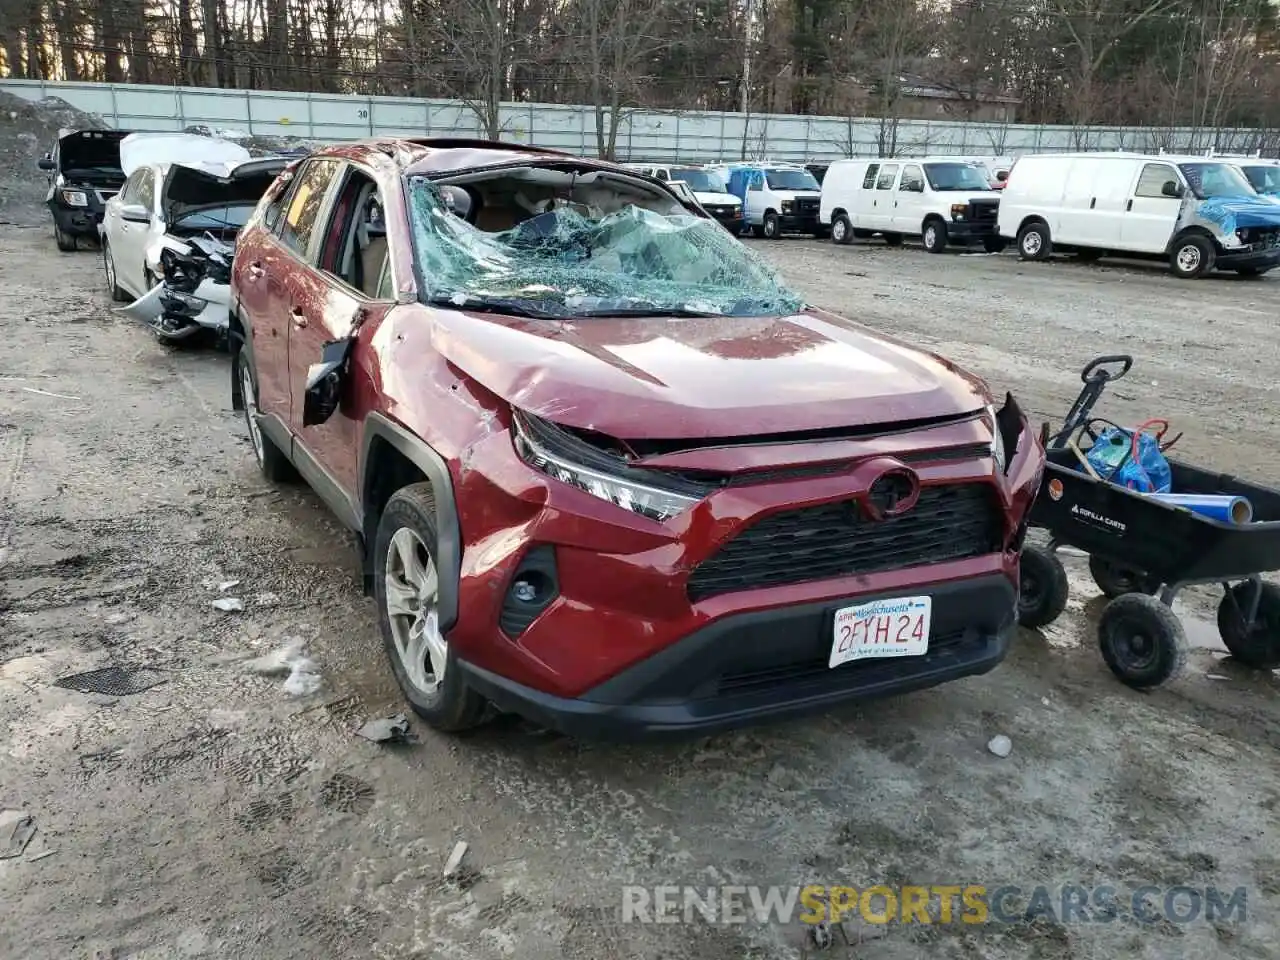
x=294 y=238
x=1150 y=217
x=882 y=198
x=861 y=207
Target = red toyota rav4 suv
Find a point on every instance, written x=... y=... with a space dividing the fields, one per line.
x=608 y=472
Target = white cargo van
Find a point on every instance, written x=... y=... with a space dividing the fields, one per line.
x=708 y=188
x=1196 y=212
x=941 y=201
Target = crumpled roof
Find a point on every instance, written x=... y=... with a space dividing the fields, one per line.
x=570 y=260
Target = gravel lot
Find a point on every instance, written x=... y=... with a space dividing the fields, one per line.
x=214 y=816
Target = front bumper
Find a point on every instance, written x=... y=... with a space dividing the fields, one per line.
x=730 y=219
x=768 y=665
x=77 y=221
x=974 y=230
x=800 y=222
x=1255 y=259
x=644 y=631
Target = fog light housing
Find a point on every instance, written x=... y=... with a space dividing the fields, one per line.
x=533 y=587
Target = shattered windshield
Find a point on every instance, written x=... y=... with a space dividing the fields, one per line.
x=577 y=259
x=1264 y=179
x=701 y=181
x=792 y=180
x=944 y=177
x=1215 y=180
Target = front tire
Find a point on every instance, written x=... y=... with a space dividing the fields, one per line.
x=407 y=588
x=842 y=231
x=1043 y=591
x=935 y=236
x=1034 y=242
x=1258 y=646
x=772 y=227
x=1142 y=640
x=275 y=466
x=65 y=241
x=1192 y=257
x=117 y=292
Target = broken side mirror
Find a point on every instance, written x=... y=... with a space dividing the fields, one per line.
x=1172 y=188
x=46 y=163
x=325 y=382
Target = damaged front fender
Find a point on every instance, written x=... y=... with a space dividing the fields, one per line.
x=146 y=309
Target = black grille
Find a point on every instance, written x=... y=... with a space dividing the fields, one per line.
x=806 y=204
x=836 y=540
x=983 y=210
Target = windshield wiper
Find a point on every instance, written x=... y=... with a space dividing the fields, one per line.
x=647 y=312
x=511 y=306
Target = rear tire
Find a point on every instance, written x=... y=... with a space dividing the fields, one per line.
x=842 y=231
x=116 y=292
x=65 y=241
x=1192 y=257
x=935 y=236
x=1115 y=580
x=1142 y=640
x=1034 y=242
x=445 y=702
x=1043 y=591
x=275 y=466
x=1259 y=646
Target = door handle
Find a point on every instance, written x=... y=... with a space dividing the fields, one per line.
x=299 y=318
x=255 y=270
x=1093 y=203
x=1129 y=205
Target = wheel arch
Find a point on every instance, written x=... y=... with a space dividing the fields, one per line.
x=1030 y=219
x=392 y=457
x=1193 y=230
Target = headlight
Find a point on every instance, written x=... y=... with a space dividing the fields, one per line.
x=75 y=198
x=644 y=499
x=787 y=205
x=957 y=211
x=997 y=441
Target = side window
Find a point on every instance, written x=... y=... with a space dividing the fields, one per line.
x=757 y=181
x=304 y=205
x=869 y=181
x=888 y=174
x=1152 y=180
x=146 y=193
x=912 y=179
x=274 y=200
x=354 y=245
x=129 y=192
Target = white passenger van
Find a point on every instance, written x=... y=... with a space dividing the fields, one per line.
x=941 y=201
x=1198 y=213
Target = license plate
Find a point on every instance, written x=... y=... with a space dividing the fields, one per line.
x=882 y=628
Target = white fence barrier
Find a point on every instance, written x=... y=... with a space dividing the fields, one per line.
x=643 y=134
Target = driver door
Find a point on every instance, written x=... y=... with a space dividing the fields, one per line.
x=128 y=246
x=1148 y=222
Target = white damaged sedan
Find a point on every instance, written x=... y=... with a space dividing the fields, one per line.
x=168 y=237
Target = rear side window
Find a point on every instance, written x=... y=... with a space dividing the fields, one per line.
x=304 y=203
x=145 y=193
x=1152 y=180
x=869 y=181
x=888 y=173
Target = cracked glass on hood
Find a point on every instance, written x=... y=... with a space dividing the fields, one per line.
x=573 y=260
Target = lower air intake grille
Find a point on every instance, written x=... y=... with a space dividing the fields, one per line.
x=835 y=540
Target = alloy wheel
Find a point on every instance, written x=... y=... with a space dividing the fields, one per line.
x=412 y=590
x=109 y=264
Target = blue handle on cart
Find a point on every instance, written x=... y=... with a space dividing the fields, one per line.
x=1225 y=508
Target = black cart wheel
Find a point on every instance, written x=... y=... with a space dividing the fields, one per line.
x=1142 y=640
x=1043 y=593
x=1259 y=645
x=1115 y=580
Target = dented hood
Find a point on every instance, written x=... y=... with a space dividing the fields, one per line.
x=218 y=156
x=676 y=378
